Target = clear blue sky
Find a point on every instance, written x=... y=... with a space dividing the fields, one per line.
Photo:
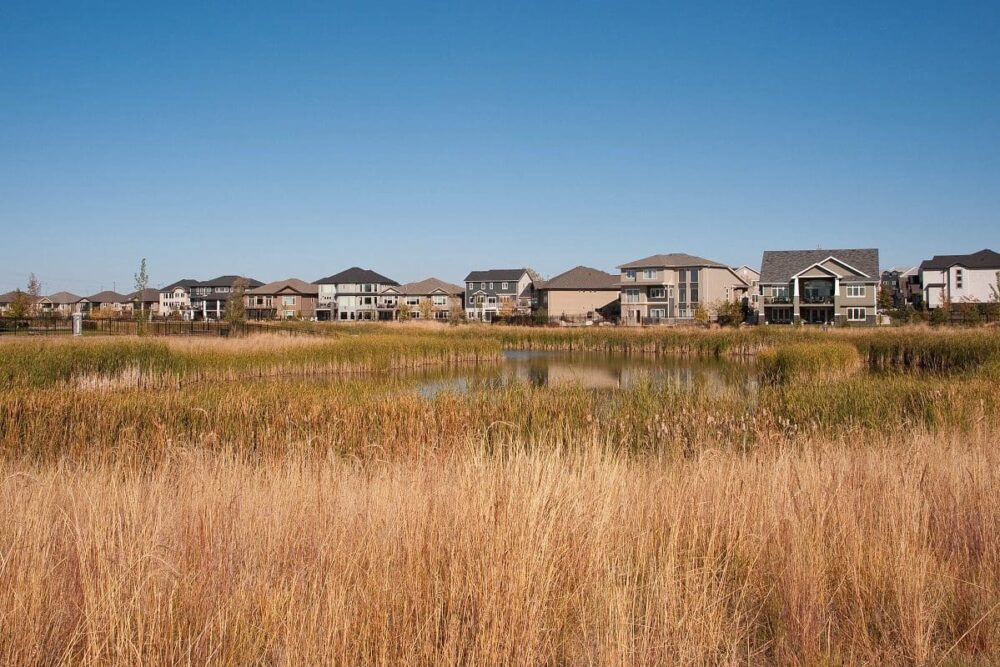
x=430 y=139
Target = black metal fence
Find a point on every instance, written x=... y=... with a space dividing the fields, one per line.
x=49 y=326
x=35 y=326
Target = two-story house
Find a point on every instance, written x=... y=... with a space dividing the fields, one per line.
x=673 y=287
x=431 y=298
x=960 y=278
x=107 y=303
x=284 y=299
x=495 y=292
x=819 y=286
x=582 y=294
x=751 y=277
x=209 y=297
x=60 y=304
x=352 y=294
x=175 y=299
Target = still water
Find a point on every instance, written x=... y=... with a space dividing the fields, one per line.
x=592 y=370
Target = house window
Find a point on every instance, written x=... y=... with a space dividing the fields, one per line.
x=482 y=285
x=659 y=313
x=289 y=314
x=503 y=286
x=491 y=301
x=439 y=300
x=413 y=301
x=649 y=274
x=630 y=274
x=288 y=301
x=958 y=278
x=855 y=291
x=491 y=285
x=632 y=296
x=857 y=314
x=656 y=292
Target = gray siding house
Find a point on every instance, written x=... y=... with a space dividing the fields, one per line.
x=819 y=286
x=496 y=291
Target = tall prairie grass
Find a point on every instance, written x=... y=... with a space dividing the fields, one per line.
x=278 y=500
x=887 y=554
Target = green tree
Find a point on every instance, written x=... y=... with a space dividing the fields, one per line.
x=884 y=298
x=402 y=310
x=701 y=314
x=19 y=305
x=426 y=309
x=236 y=307
x=139 y=311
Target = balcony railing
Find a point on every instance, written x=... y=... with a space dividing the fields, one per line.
x=814 y=300
x=777 y=300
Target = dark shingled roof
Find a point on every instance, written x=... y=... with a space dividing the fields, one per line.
x=355 y=276
x=582 y=278
x=672 y=260
x=107 y=296
x=984 y=259
x=148 y=295
x=228 y=281
x=778 y=266
x=509 y=275
x=61 y=298
x=9 y=296
x=184 y=282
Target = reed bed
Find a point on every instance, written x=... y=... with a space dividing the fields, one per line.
x=835 y=554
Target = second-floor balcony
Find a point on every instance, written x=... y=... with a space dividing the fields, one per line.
x=816 y=300
x=779 y=300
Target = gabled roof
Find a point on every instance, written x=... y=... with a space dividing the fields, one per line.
x=9 y=296
x=582 y=278
x=61 y=298
x=671 y=261
x=148 y=295
x=355 y=276
x=184 y=282
x=107 y=296
x=508 y=275
x=429 y=286
x=228 y=281
x=778 y=266
x=747 y=267
x=286 y=285
x=984 y=259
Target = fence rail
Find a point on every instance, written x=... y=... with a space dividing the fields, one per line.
x=49 y=326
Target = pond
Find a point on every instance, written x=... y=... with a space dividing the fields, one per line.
x=592 y=370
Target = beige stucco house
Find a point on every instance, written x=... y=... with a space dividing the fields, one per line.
x=672 y=288
x=430 y=298
x=282 y=300
x=580 y=295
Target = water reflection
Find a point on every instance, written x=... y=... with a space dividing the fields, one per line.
x=591 y=370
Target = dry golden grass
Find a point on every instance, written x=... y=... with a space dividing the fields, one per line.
x=836 y=554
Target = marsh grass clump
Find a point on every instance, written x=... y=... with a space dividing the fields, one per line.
x=814 y=362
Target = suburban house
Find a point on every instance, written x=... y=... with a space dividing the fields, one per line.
x=581 y=294
x=284 y=299
x=430 y=298
x=175 y=299
x=498 y=292
x=7 y=299
x=751 y=277
x=208 y=298
x=60 y=304
x=819 y=286
x=107 y=303
x=673 y=287
x=352 y=294
x=960 y=278
x=147 y=301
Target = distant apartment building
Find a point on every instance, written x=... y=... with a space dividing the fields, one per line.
x=960 y=278
x=672 y=288
x=351 y=295
x=284 y=299
x=751 y=277
x=431 y=298
x=495 y=292
x=209 y=297
x=819 y=286
x=580 y=295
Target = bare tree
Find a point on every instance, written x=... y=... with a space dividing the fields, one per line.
x=34 y=294
x=426 y=309
x=138 y=303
